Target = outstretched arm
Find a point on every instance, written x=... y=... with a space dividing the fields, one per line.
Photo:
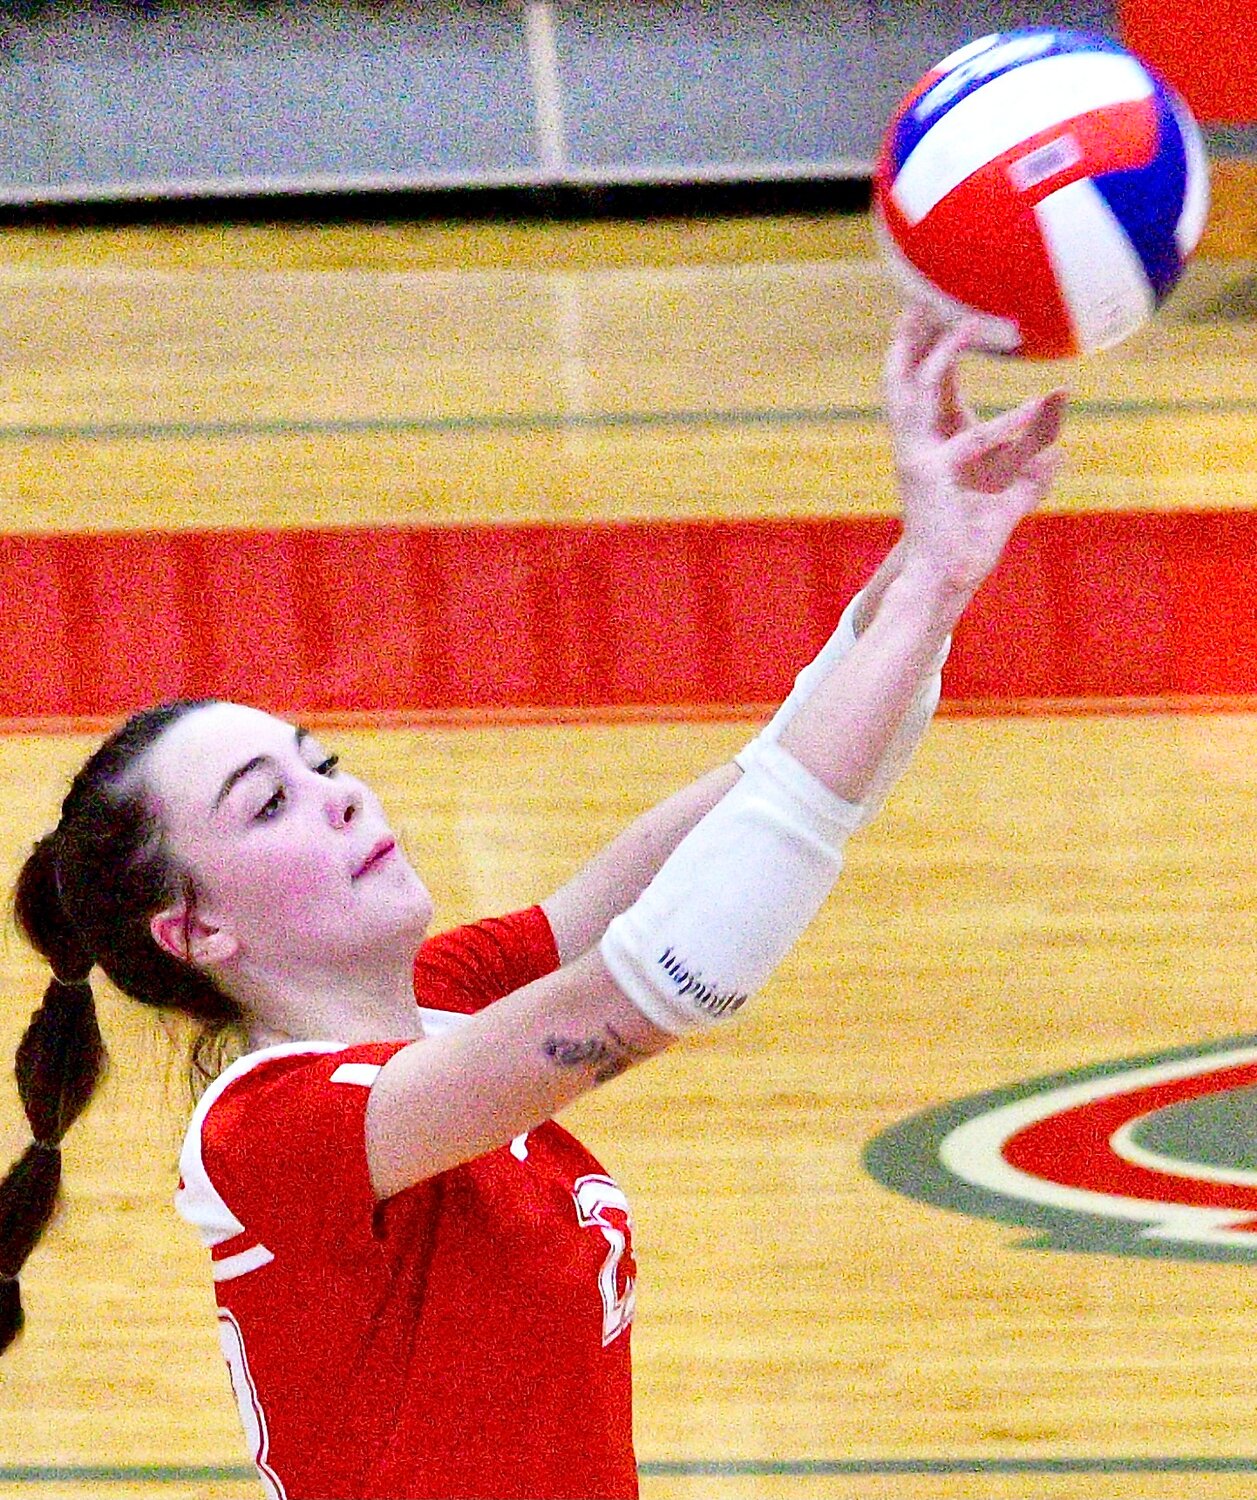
x=927 y=413
x=737 y=891
x=964 y=486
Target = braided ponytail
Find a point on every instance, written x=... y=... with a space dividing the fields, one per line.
x=60 y=1061
x=83 y=900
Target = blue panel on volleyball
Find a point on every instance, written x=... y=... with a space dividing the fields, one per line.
x=1145 y=202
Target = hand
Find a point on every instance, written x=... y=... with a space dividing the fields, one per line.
x=964 y=484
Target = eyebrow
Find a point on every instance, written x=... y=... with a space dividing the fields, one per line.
x=302 y=734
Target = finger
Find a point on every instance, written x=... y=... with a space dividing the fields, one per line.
x=954 y=414
x=907 y=348
x=994 y=456
x=948 y=345
x=1019 y=491
x=1035 y=482
x=990 y=471
x=1051 y=419
x=1037 y=421
x=1045 y=468
x=1042 y=431
x=934 y=324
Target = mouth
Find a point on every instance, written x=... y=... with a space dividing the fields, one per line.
x=377 y=856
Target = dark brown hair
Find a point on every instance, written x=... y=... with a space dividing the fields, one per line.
x=84 y=898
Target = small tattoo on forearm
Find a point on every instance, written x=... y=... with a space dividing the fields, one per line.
x=609 y=1055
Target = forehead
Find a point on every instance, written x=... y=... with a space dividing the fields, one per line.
x=191 y=760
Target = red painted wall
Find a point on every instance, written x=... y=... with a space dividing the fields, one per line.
x=1113 y=611
x=1206 y=48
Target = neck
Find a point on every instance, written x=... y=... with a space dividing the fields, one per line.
x=354 y=1002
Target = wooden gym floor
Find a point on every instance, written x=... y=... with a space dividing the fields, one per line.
x=1048 y=891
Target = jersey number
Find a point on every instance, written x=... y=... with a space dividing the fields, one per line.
x=601 y=1205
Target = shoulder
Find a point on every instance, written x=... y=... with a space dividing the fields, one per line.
x=283 y=1080
x=469 y=967
x=281 y=1129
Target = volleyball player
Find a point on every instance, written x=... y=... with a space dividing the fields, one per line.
x=425 y=1286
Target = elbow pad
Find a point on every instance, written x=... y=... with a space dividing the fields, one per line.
x=733 y=897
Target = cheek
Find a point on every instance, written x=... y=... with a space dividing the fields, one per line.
x=283 y=887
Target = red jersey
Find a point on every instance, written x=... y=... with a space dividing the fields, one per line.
x=468 y=1337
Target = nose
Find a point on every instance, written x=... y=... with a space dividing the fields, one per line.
x=344 y=803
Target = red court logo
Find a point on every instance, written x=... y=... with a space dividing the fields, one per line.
x=1154 y=1156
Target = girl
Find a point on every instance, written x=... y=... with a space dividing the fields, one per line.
x=425 y=1286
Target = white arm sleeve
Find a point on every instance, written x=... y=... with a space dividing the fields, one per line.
x=733 y=897
x=907 y=737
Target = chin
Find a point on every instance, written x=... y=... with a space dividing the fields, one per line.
x=420 y=916
x=400 y=913
x=423 y=920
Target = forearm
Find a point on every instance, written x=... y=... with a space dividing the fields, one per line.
x=874 y=591
x=445 y=1100
x=844 y=730
x=613 y=879
x=745 y=883
x=852 y=623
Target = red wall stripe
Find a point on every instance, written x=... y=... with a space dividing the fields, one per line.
x=1126 y=610
x=1205 y=48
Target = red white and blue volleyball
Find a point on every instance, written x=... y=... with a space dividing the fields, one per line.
x=1047 y=181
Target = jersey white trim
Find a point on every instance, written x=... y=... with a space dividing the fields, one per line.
x=232 y=1266
x=252 y=1415
x=361 y=1073
x=197 y=1199
x=438 y=1022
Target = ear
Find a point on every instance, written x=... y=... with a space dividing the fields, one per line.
x=190 y=939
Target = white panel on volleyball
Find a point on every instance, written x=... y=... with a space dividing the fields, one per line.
x=1010 y=109
x=1191 y=220
x=1099 y=273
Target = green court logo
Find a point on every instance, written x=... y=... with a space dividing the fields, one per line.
x=1152 y=1156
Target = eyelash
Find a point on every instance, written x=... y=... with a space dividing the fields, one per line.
x=272 y=804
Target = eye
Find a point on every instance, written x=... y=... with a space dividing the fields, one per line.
x=270 y=807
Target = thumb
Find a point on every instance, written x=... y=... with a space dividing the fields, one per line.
x=1031 y=427
x=1035 y=481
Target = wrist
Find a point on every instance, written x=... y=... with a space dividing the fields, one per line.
x=931 y=586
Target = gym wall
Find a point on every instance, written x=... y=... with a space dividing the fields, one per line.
x=127 y=99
